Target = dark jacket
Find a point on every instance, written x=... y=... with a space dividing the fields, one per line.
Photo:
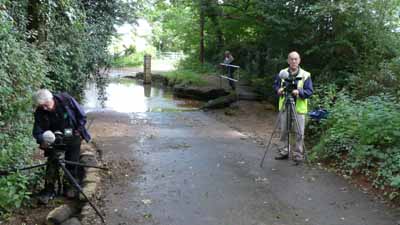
x=76 y=117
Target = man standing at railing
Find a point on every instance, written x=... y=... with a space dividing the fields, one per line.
x=228 y=58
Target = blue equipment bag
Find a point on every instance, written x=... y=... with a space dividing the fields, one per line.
x=318 y=114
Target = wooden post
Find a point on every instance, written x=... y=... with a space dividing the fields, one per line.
x=147 y=69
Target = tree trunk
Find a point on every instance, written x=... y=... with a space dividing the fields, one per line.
x=218 y=32
x=35 y=25
x=202 y=21
x=214 y=12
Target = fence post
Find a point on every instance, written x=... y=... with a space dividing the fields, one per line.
x=147 y=69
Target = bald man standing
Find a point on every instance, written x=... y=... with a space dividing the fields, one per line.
x=302 y=91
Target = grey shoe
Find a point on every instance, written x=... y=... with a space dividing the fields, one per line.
x=282 y=157
x=297 y=162
x=71 y=193
x=44 y=197
x=283 y=151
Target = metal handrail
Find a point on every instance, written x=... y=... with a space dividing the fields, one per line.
x=228 y=78
x=229 y=65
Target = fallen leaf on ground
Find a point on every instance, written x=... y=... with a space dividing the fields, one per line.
x=146 y=201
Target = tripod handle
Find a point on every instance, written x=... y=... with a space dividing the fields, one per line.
x=84 y=165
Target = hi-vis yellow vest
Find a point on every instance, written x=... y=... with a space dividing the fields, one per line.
x=301 y=104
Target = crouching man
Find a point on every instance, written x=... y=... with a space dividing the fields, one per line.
x=61 y=113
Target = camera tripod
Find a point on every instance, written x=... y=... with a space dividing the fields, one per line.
x=290 y=111
x=57 y=157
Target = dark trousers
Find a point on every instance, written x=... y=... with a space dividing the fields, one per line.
x=72 y=153
x=230 y=71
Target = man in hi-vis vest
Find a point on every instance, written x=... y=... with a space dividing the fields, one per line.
x=302 y=90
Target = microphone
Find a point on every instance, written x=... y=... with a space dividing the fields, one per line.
x=49 y=137
x=284 y=74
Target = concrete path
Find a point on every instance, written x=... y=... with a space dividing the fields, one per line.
x=185 y=168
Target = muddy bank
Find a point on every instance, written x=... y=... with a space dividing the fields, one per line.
x=212 y=90
x=157 y=79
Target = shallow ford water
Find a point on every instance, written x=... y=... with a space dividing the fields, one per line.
x=128 y=95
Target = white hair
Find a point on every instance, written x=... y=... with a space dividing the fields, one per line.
x=42 y=96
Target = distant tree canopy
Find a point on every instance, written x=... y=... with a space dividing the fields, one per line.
x=346 y=42
x=72 y=34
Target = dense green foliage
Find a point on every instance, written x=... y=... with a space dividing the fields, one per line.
x=52 y=44
x=174 y=26
x=364 y=137
x=349 y=46
x=23 y=70
x=341 y=41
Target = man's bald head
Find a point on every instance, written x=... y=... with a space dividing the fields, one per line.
x=293 y=54
x=294 y=61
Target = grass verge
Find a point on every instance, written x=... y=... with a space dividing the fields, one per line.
x=132 y=60
x=186 y=77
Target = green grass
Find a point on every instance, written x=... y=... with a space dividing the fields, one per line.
x=186 y=77
x=132 y=60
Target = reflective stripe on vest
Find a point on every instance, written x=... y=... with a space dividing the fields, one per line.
x=301 y=104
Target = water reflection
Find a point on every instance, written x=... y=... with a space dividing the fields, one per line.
x=147 y=90
x=101 y=84
x=126 y=95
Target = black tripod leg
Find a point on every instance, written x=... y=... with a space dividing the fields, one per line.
x=270 y=138
x=7 y=172
x=72 y=180
x=288 y=126
x=83 y=165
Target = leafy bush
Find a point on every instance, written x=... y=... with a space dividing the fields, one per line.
x=192 y=63
x=22 y=72
x=324 y=97
x=363 y=136
x=263 y=85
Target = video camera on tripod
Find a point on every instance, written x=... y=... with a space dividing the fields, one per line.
x=288 y=113
x=57 y=141
x=57 y=144
x=289 y=83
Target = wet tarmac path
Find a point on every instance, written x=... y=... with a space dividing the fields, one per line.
x=173 y=165
x=185 y=168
